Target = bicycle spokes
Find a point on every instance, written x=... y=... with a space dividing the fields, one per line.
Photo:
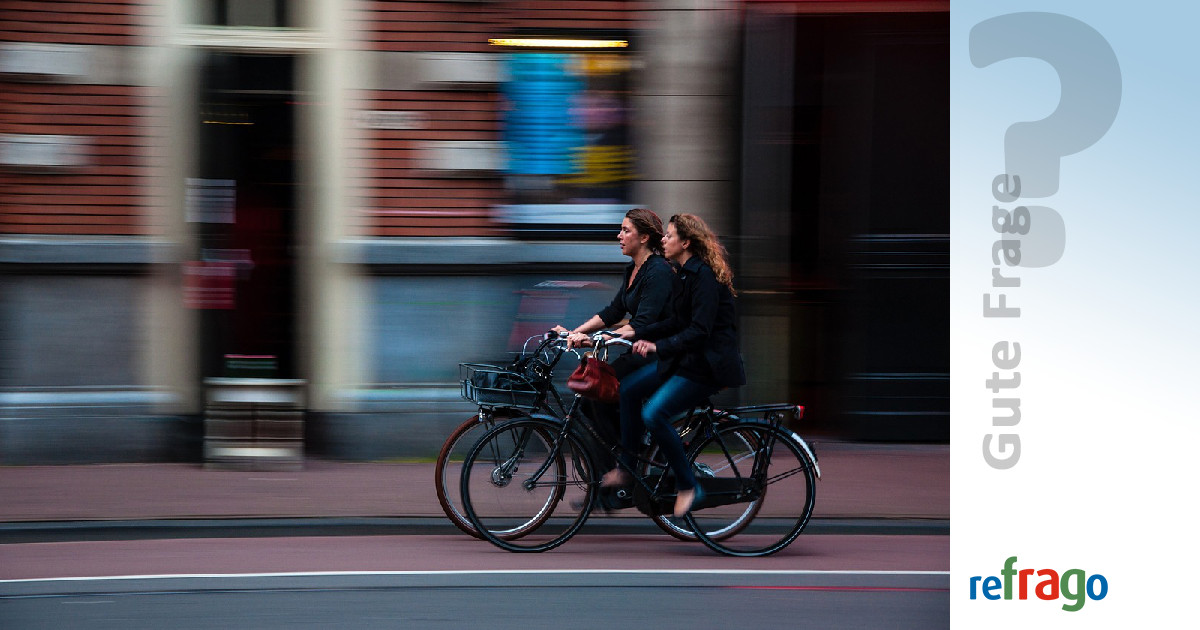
x=758 y=474
x=536 y=485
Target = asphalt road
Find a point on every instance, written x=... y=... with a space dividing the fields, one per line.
x=524 y=600
x=451 y=581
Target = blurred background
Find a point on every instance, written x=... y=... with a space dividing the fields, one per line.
x=272 y=228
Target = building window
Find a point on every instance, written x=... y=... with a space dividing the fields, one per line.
x=259 y=13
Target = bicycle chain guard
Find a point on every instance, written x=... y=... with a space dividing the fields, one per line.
x=645 y=502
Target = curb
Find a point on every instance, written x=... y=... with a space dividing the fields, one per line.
x=80 y=531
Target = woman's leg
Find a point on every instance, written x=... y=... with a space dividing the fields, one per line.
x=635 y=387
x=606 y=419
x=675 y=396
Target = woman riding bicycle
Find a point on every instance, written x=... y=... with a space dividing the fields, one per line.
x=643 y=296
x=697 y=350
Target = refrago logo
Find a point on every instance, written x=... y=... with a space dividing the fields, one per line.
x=1074 y=585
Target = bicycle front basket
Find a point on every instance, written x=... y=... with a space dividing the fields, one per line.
x=494 y=386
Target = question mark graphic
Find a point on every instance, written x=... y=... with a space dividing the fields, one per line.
x=1090 y=79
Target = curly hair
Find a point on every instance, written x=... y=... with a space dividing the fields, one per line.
x=704 y=243
x=647 y=223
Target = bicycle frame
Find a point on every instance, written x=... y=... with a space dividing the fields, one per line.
x=696 y=419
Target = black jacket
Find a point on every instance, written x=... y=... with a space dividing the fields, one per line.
x=646 y=300
x=699 y=340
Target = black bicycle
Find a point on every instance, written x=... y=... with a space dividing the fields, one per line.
x=524 y=388
x=525 y=466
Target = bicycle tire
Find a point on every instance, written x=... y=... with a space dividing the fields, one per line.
x=527 y=464
x=446 y=474
x=776 y=467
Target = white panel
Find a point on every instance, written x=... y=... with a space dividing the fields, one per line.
x=463 y=156
x=392 y=119
x=41 y=151
x=459 y=70
x=564 y=213
x=45 y=61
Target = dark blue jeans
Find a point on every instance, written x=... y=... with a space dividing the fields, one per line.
x=663 y=400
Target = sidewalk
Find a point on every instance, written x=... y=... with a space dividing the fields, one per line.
x=859 y=481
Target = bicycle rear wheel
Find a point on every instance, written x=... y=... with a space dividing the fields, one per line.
x=731 y=523
x=756 y=464
x=524 y=471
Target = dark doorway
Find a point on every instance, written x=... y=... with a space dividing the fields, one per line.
x=850 y=114
x=247 y=226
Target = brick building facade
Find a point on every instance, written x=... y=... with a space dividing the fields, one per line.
x=325 y=191
x=310 y=189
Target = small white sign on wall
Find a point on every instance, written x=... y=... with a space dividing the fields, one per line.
x=391 y=120
x=210 y=200
x=45 y=61
x=41 y=152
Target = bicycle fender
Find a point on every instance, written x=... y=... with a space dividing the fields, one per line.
x=807 y=451
x=812 y=455
x=543 y=416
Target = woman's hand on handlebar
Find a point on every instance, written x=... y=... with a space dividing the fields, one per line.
x=574 y=339
x=578 y=340
x=644 y=347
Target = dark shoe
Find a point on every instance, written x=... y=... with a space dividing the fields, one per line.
x=577 y=505
x=607 y=500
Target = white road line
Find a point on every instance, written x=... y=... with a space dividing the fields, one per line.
x=484 y=572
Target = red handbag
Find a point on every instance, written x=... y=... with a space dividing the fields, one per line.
x=595 y=379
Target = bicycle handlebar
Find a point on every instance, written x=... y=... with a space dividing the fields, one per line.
x=607 y=337
x=549 y=339
x=558 y=340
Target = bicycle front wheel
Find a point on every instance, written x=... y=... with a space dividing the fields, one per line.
x=525 y=471
x=752 y=464
x=447 y=472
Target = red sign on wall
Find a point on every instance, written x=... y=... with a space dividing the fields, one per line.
x=208 y=285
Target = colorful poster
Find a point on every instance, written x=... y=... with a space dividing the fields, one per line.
x=566 y=129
